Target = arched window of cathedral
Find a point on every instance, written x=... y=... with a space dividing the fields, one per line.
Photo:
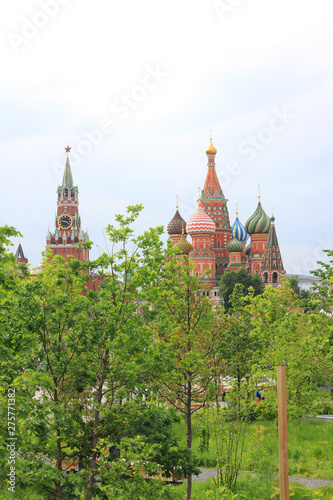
x=69 y=240
x=52 y=240
x=275 y=277
x=265 y=277
x=73 y=193
x=218 y=243
x=60 y=240
x=76 y=239
x=216 y=267
x=221 y=268
x=66 y=193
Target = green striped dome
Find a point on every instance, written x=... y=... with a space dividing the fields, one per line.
x=259 y=222
x=234 y=245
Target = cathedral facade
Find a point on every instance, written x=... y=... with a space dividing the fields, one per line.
x=217 y=246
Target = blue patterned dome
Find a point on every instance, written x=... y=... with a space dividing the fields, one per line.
x=238 y=230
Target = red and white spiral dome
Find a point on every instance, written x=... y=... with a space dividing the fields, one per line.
x=200 y=223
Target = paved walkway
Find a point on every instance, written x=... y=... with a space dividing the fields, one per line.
x=305 y=481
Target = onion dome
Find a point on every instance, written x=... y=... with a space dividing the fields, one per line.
x=183 y=247
x=248 y=249
x=200 y=223
x=234 y=245
x=259 y=222
x=177 y=224
x=211 y=150
x=238 y=230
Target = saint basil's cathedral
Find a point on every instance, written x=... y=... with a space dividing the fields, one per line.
x=216 y=245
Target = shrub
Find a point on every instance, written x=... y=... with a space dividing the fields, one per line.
x=265 y=410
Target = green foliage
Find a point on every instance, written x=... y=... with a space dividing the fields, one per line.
x=242 y=277
x=262 y=411
x=252 y=488
x=135 y=475
x=294 y=285
x=238 y=346
x=322 y=403
x=230 y=438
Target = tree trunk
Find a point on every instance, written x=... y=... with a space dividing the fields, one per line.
x=189 y=436
x=58 y=464
x=95 y=441
x=93 y=457
x=96 y=424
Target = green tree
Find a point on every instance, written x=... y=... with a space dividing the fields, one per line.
x=238 y=345
x=231 y=278
x=294 y=284
x=185 y=344
x=119 y=334
x=54 y=313
x=86 y=353
x=288 y=336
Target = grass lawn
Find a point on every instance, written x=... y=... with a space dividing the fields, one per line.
x=252 y=489
x=310 y=444
x=20 y=495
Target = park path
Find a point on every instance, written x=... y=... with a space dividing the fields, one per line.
x=304 y=481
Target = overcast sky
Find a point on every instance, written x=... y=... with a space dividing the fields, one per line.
x=135 y=87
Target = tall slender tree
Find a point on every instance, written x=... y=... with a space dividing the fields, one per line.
x=185 y=344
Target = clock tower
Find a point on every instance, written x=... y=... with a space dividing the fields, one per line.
x=68 y=232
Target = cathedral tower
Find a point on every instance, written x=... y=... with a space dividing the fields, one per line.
x=272 y=267
x=258 y=227
x=201 y=228
x=215 y=205
x=20 y=256
x=68 y=230
x=176 y=227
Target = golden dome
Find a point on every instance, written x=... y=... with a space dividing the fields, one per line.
x=211 y=150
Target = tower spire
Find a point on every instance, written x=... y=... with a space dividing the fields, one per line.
x=272 y=266
x=67 y=180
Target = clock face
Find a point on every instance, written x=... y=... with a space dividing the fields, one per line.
x=65 y=221
x=78 y=221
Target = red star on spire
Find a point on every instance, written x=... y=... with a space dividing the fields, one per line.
x=68 y=149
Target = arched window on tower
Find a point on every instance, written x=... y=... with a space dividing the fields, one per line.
x=69 y=240
x=65 y=193
x=52 y=240
x=275 y=277
x=60 y=242
x=76 y=239
x=73 y=193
